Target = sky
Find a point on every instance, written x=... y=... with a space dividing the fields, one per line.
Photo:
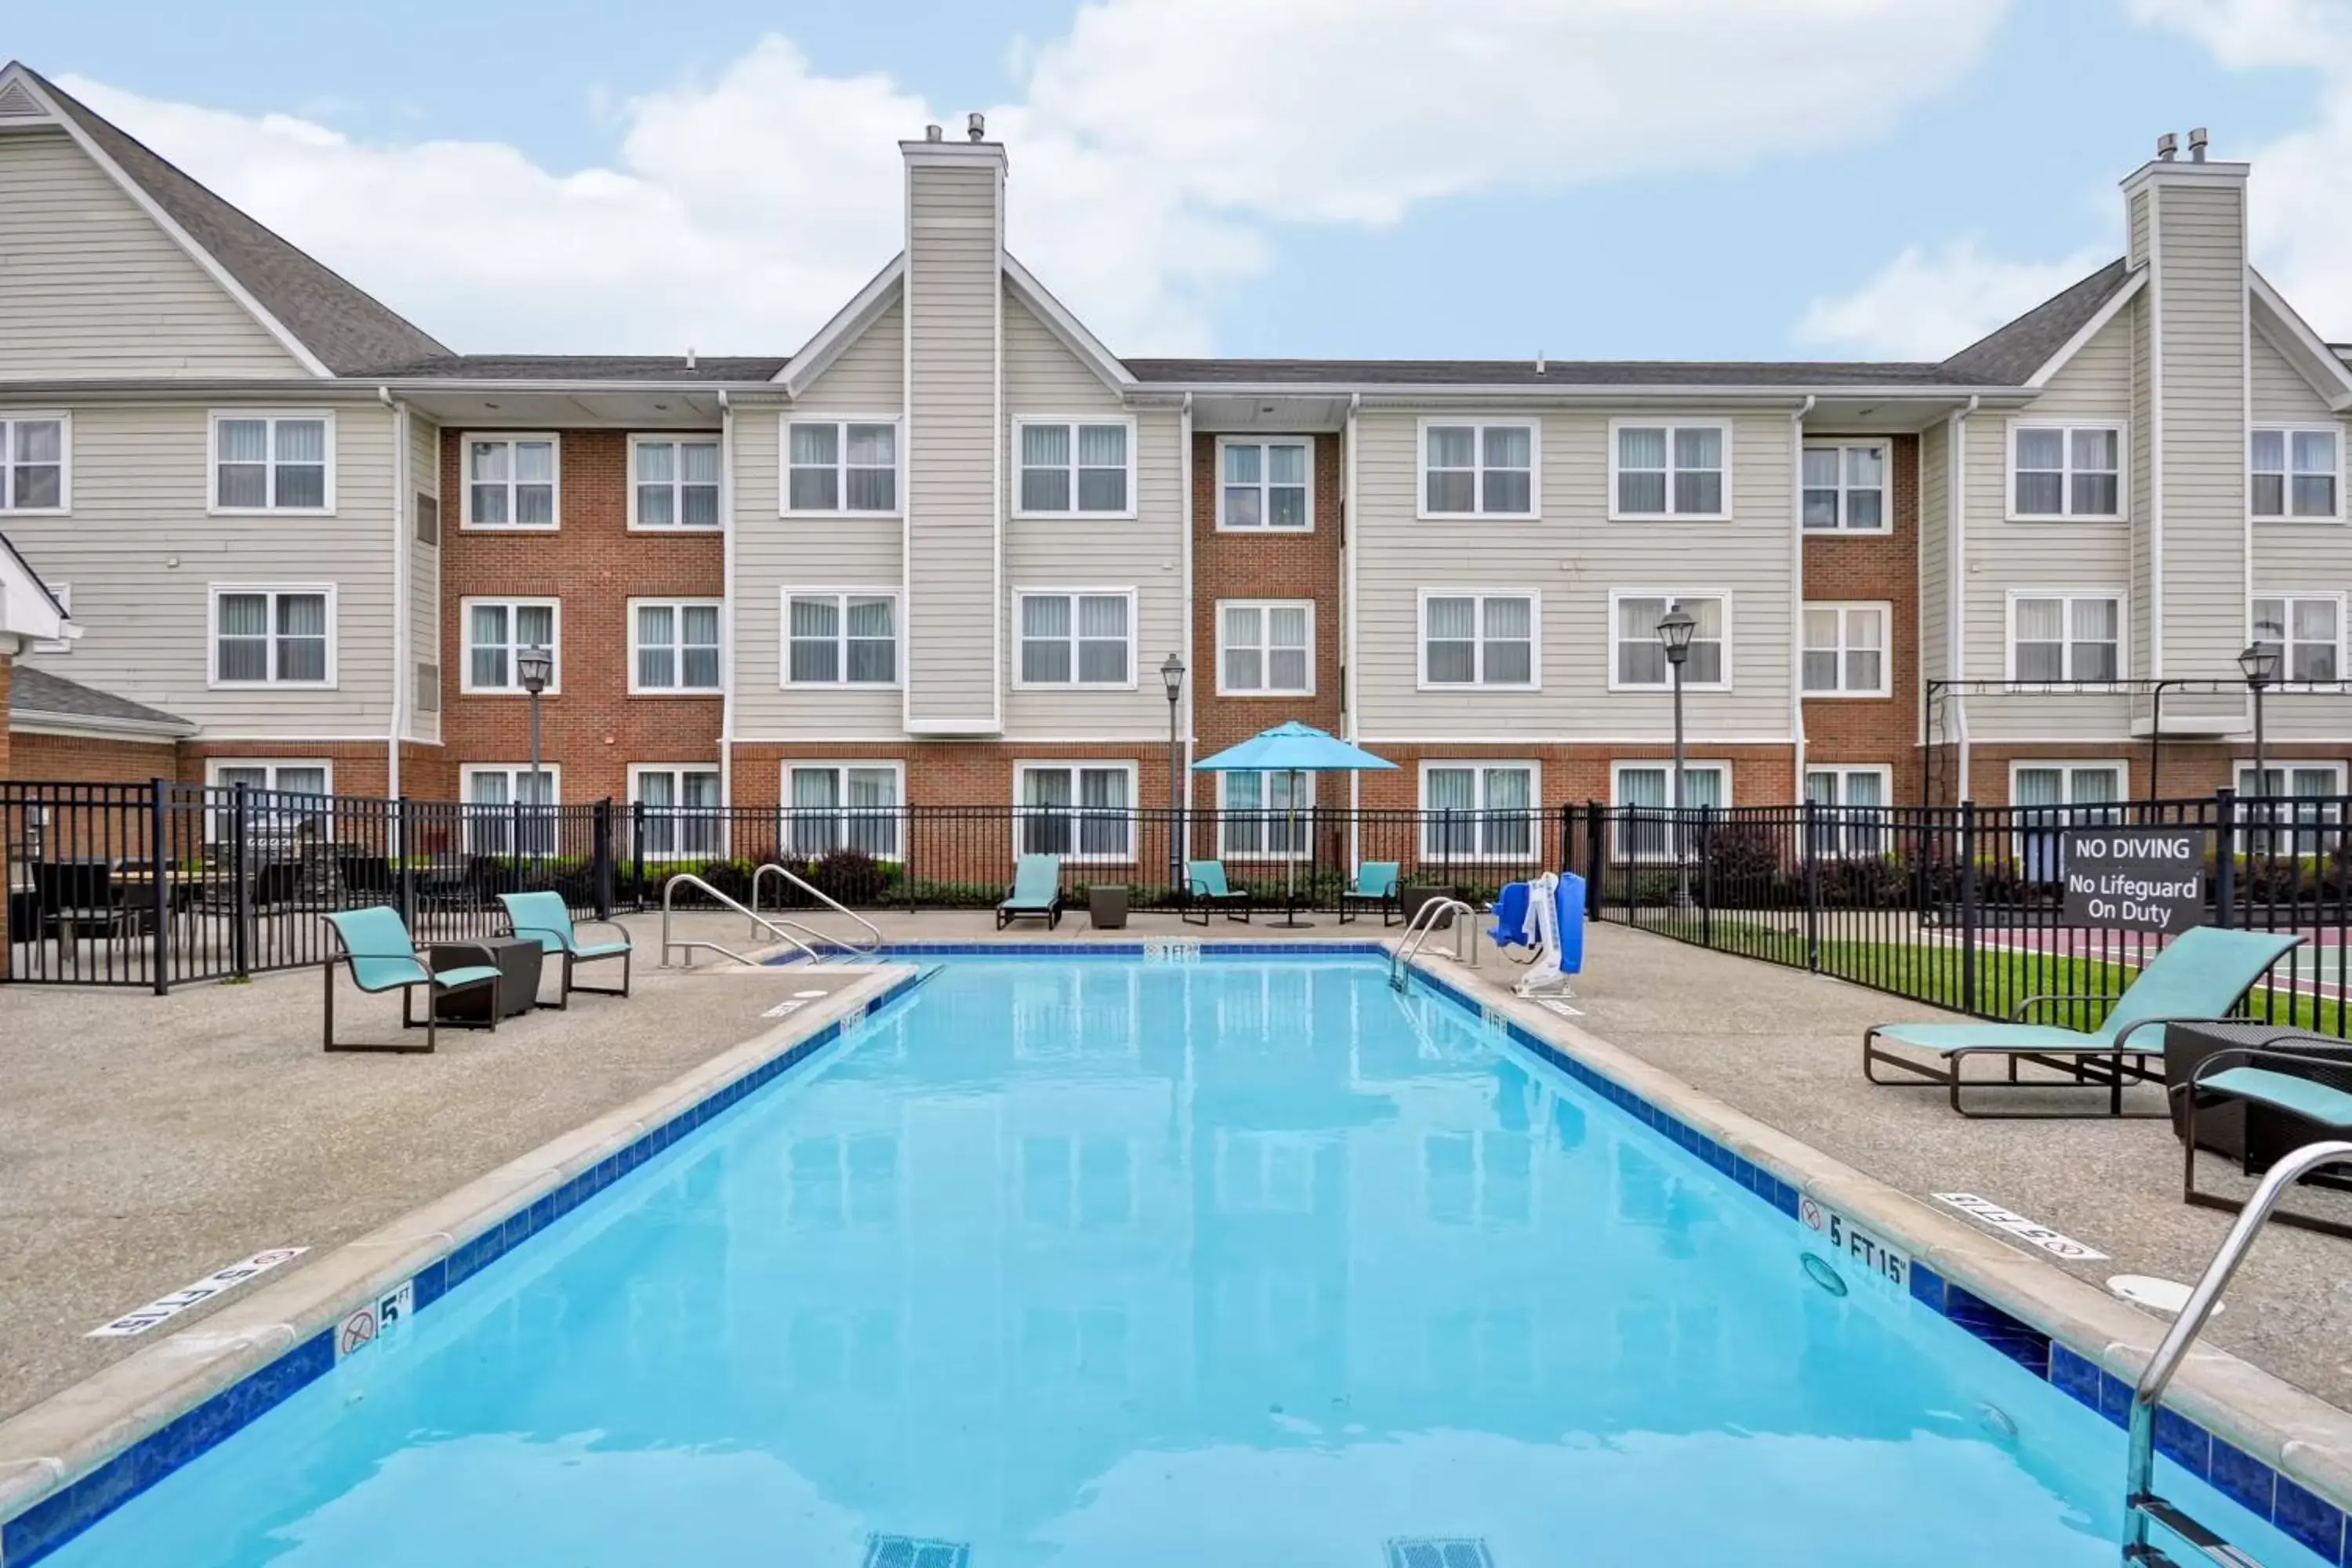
x=1638 y=179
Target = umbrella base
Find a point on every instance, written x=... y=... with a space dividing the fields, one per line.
x=1288 y=922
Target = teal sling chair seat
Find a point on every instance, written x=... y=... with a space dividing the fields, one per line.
x=1206 y=889
x=1037 y=892
x=546 y=916
x=377 y=949
x=1376 y=884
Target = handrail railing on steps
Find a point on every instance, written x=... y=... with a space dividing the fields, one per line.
x=1424 y=921
x=687 y=946
x=873 y=942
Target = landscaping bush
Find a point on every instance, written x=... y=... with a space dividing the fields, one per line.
x=851 y=877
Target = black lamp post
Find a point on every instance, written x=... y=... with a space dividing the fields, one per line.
x=1675 y=629
x=534 y=667
x=2259 y=664
x=1172 y=675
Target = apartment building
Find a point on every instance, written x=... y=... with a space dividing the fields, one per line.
x=942 y=553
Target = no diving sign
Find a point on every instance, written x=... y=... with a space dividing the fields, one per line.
x=2136 y=878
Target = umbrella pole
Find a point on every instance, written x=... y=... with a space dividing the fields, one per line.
x=1291 y=861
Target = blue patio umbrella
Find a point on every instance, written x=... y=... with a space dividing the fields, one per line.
x=1294 y=748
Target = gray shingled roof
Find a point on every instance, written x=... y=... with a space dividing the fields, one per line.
x=2007 y=356
x=1522 y=373
x=349 y=332
x=34 y=693
x=587 y=367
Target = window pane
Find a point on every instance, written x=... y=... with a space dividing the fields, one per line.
x=1821 y=628
x=700 y=669
x=1102 y=446
x=2094 y=662
x=1509 y=618
x=243 y=485
x=1285 y=625
x=698 y=506
x=306 y=486
x=869 y=616
x=1821 y=670
x=1044 y=662
x=2094 y=620
x=1640 y=448
x=1510 y=663
x=656 y=464
x=1452 y=617
x=815 y=446
x=1704 y=666
x=1102 y=663
x=2314 y=495
x=2040 y=495
x=2095 y=449
x=2268 y=495
x=1102 y=490
x=1285 y=464
x=1821 y=467
x=244 y=615
x=534 y=503
x=873 y=490
x=815 y=618
x=1452 y=447
x=535 y=625
x=1509 y=492
x=1641 y=492
x=1242 y=464
x=1044 y=446
x=1243 y=505
x=534 y=462
x=655 y=506
x=873 y=445
x=815 y=489
x=244 y=440
x=2041 y=448
x=1045 y=616
x=1698 y=448
x=2095 y=495
x=1045 y=489
x=2314 y=620
x=1451 y=789
x=1642 y=787
x=2041 y=661
x=1699 y=494
x=1244 y=669
x=656 y=666
x=301 y=441
x=1286 y=670
x=1821 y=509
x=1453 y=490
x=1509 y=445
x=1862 y=666
x=2266 y=452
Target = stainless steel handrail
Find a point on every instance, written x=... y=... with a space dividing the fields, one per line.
x=2141 y=1505
x=669 y=891
x=1423 y=922
x=794 y=879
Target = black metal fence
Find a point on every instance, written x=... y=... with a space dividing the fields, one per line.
x=1962 y=906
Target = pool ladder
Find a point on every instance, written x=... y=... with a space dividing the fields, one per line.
x=2142 y=1506
x=1424 y=921
x=778 y=927
x=865 y=946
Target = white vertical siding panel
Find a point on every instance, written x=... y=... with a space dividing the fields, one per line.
x=2199 y=244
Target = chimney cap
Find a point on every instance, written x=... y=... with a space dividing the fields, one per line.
x=2167 y=146
x=935 y=134
x=2198 y=137
x=975 y=126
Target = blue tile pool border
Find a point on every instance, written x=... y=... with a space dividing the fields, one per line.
x=1204 y=948
x=56 y=1518
x=2299 y=1513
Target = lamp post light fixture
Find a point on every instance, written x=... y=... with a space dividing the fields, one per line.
x=2260 y=665
x=1172 y=675
x=1675 y=629
x=534 y=668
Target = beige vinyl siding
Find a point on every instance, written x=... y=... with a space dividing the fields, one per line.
x=2142 y=316
x=953 y=441
x=2299 y=558
x=2136 y=222
x=2281 y=393
x=773 y=553
x=870 y=377
x=139 y=507
x=1572 y=558
x=1935 y=546
x=424 y=578
x=1041 y=375
x=91 y=287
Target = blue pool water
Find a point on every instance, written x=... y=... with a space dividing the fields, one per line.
x=1099 y=1262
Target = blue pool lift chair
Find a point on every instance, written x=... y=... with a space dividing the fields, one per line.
x=1036 y=893
x=1514 y=931
x=377 y=950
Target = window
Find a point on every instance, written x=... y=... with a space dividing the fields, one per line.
x=677 y=811
x=843 y=805
x=272 y=462
x=510 y=481
x=1073 y=470
x=1477 y=470
x=33 y=463
x=1845 y=650
x=1845 y=487
x=842 y=466
x=499 y=629
x=2048 y=797
x=287 y=778
x=1478 y=811
x=2294 y=473
x=273 y=637
x=1670 y=470
x=1647 y=833
x=2065 y=637
x=2308 y=633
x=673 y=646
x=1262 y=817
x=1851 y=818
x=1641 y=663
x=1266 y=649
x=1264 y=484
x=2308 y=794
x=1478 y=640
x=845 y=638
x=674 y=482
x=506 y=808
x=1078 y=639
x=63 y=593
x=287 y=806
x=2066 y=471
x=1077 y=810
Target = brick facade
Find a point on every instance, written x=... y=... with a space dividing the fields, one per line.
x=81 y=758
x=1873 y=568
x=359 y=767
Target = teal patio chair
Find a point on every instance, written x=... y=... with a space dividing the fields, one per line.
x=1206 y=889
x=2305 y=1084
x=1036 y=893
x=376 y=947
x=2202 y=976
x=1376 y=883
x=547 y=917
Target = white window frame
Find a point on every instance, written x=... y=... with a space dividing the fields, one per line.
x=1013 y=465
x=2041 y=858
x=1479 y=650
x=714 y=438
x=2286 y=648
x=1266 y=485
x=1843 y=445
x=841 y=597
x=2287 y=430
x=678 y=648
x=1673 y=596
x=275 y=820
x=214 y=766
x=1074 y=594
x=841 y=423
x=274 y=417
x=2242 y=767
x=12 y=417
x=1481 y=813
x=214 y=592
x=1478 y=424
x=465 y=687
x=1077 y=810
x=465 y=524
x=63 y=593
x=1272 y=822
x=1264 y=647
x=842 y=815
x=2067 y=513
x=2123 y=630
x=469 y=810
x=1845 y=608
x=1723 y=428
x=1619 y=767
x=678 y=814
x=1842 y=833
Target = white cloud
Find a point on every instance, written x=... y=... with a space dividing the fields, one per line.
x=1927 y=304
x=1155 y=147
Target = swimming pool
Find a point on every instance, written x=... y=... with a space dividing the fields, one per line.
x=1246 y=1261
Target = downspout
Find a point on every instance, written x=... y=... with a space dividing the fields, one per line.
x=1191 y=616
x=1349 y=725
x=401 y=589
x=1956 y=576
x=726 y=598
x=1796 y=594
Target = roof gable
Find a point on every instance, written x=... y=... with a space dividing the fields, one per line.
x=2038 y=343
x=2301 y=348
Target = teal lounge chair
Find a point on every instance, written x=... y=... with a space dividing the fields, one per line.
x=1206 y=889
x=547 y=918
x=1037 y=892
x=376 y=947
x=2317 y=1089
x=2201 y=975
x=1376 y=883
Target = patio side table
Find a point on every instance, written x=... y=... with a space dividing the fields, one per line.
x=517 y=988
